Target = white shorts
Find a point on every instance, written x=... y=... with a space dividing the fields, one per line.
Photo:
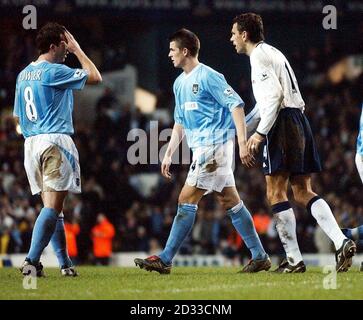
x=212 y=167
x=51 y=163
x=359 y=163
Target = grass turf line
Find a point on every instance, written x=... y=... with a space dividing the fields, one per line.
x=184 y=283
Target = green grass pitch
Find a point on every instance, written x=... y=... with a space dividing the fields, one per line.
x=184 y=283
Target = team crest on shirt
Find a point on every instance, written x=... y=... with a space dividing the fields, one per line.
x=195 y=88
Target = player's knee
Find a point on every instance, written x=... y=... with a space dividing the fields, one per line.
x=302 y=196
x=221 y=201
x=225 y=204
x=54 y=204
x=276 y=195
x=228 y=202
x=299 y=196
x=186 y=199
x=182 y=200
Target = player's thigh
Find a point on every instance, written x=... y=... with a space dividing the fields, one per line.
x=32 y=165
x=60 y=165
x=54 y=199
x=302 y=189
x=276 y=187
x=190 y=194
x=52 y=163
x=228 y=198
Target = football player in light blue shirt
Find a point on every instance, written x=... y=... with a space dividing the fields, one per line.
x=43 y=107
x=210 y=114
x=204 y=102
x=44 y=98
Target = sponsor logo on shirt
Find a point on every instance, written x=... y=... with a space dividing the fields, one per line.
x=191 y=106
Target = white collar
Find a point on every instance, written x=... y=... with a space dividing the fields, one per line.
x=193 y=70
x=35 y=63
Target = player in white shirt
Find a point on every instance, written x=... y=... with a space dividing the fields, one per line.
x=289 y=151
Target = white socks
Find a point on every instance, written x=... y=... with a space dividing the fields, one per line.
x=321 y=212
x=286 y=227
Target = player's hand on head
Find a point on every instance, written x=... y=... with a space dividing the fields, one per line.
x=72 y=44
x=165 y=167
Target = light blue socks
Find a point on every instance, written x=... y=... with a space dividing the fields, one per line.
x=59 y=244
x=42 y=232
x=183 y=223
x=242 y=221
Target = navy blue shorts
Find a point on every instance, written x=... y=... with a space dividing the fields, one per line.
x=290 y=146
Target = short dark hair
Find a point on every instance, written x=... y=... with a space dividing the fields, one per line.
x=49 y=34
x=252 y=24
x=186 y=39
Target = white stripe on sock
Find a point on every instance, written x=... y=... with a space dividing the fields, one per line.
x=237 y=207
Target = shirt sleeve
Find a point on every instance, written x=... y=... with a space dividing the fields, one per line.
x=252 y=120
x=222 y=92
x=16 y=110
x=63 y=77
x=178 y=115
x=267 y=91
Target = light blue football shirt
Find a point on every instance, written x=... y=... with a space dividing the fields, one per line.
x=44 y=98
x=360 y=135
x=203 y=105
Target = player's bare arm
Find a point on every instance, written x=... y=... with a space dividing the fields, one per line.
x=176 y=138
x=238 y=116
x=94 y=76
